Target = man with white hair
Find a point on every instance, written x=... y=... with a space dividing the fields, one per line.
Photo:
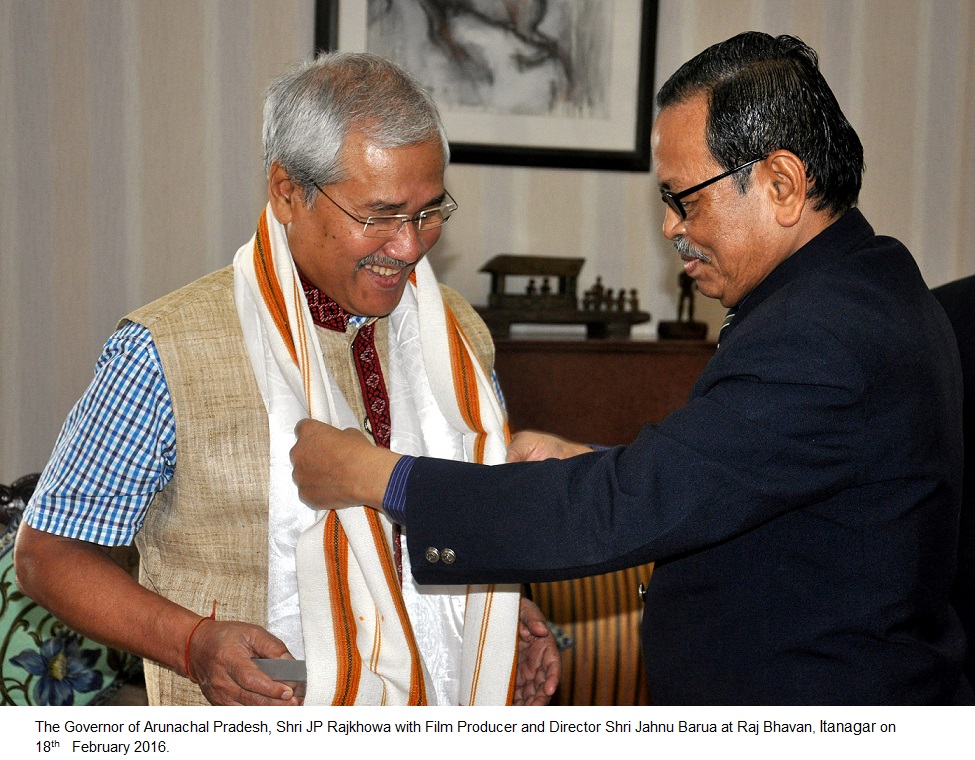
x=181 y=442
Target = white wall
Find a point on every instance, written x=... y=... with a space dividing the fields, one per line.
x=130 y=160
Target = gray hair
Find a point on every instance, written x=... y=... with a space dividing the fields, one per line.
x=310 y=110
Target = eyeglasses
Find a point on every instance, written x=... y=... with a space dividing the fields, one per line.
x=674 y=199
x=389 y=226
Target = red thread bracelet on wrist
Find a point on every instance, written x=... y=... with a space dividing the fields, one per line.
x=189 y=638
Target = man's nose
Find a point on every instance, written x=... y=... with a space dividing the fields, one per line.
x=673 y=225
x=406 y=245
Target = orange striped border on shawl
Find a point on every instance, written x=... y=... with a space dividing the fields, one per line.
x=273 y=296
x=348 y=657
x=465 y=383
x=418 y=695
x=465 y=388
x=481 y=643
x=348 y=663
x=267 y=281
x=304 y=365
x=513 y=677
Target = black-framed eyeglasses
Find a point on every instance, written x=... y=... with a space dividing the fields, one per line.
x=390 y=226
x=674 y=199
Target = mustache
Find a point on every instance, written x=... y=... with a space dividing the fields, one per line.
x=684 y=248
x=381 y=260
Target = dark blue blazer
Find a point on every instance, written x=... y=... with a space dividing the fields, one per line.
x=958 y=300
x=802 y=508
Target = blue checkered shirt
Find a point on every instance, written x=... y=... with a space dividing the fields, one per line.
x=117 y=448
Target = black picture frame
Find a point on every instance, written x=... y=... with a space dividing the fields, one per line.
x=639 y=57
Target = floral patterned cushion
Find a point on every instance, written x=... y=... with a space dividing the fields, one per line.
x=42 y=661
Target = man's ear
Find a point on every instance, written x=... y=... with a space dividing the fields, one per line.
x=282 y=193
x=788 y=187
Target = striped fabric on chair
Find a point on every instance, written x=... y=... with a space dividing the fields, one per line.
x=601 y=614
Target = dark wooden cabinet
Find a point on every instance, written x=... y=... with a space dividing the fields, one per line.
x=597 y=391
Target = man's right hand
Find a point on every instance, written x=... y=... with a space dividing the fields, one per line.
x=221 y=661
x=88 y=592
x=339 y=468
x=532 y=446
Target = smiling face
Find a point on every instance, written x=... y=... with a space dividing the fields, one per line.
x=365 y=276
x=729 y=241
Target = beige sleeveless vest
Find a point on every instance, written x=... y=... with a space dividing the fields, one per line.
x=205 y=534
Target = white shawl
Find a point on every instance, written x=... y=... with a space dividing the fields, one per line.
x=333 y=592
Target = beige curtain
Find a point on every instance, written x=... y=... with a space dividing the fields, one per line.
x=130 y=164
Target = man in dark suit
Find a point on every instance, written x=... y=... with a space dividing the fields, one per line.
x=958 y=300
x=803 y=506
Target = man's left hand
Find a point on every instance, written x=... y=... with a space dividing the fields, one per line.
x=539 y=659
x=533 y=446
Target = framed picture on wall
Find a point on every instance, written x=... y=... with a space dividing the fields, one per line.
x=554 y=83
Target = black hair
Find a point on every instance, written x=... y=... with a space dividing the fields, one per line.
x=765 y=94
